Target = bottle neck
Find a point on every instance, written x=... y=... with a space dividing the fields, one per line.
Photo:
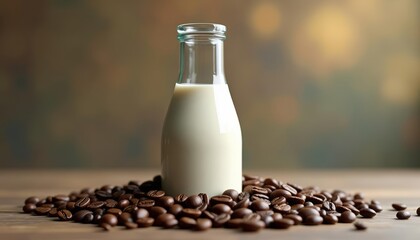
x=201 y=61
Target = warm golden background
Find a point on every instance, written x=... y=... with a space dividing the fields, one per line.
x=315 y=83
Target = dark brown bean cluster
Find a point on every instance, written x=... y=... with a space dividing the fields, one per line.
x=263 y=203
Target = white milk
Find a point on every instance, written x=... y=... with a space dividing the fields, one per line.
x=201 y=141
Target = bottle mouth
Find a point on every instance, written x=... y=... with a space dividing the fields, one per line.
x=197 y=30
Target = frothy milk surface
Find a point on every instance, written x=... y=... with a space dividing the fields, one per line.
x=201 y=141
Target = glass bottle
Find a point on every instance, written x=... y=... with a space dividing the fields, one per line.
x=201 y=139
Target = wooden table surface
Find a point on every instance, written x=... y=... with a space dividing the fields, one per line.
x=387 y=186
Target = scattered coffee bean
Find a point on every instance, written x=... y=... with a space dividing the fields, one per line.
x=29 y=207
x=330 y=219
x=399 y=206
x=367 y=212
x=403 y=215
x=360 y=226
x=347 y=217
x=64 y=215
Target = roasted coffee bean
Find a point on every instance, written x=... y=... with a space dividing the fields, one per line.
x=110 y=203
x=161 y=219
x=252 y=226
x=155 y=194
x=267 y=219
x=221 y=208
x=272 y=182
x=42 y=210
x=125 y=217
x=360 y=226
x=282 y=208
x=289 y=188
x=308 y=211
x=243 y=195
x=80 y=215
x=297 y=219
x=328 y=206
x=123 y=203
x=342 y=209
x=101 y=194
x=362 y=205
x=130 y=208
x=193 y=201
x=114 y=211
x=170 y=223
x=145 y=222
x=203 y=224
x=64 y=215
x=252 y=217
x=244 y=203
x=259 y=205
x=180 y=198
x=367 y=212
x=127 y=196
x=282 y=223
x=260 y=197
x=52 y=212
x=141 y=213
x=399 y=206
x=277 y=216
x=175 y=209
x=83 y=202
x=105 y=226
x=295 y=200
x=60 y=197
x=280 y=193
x=29 y=207
x=96 y=205
x=32 y=200
x=278 y=200
x=221 y=199
x=209 y=215
x=231 y=193
x=418 y=211
x=190 y=212
x=403 y=214
x=347 y=217
x=378 y=208
x=148 y=203
x=88 y=218
x=187 y=223
x=313 y=220
x=234 y=223
x=155 y=211
x=352 y=208
x=130 y=225
x=220 y=220
x=314 y=199
x=330 y=219
x=166 y=201
x=109 y=219
x=259 y=190
x=97 y=218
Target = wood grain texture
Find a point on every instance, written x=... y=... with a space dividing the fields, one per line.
x=387 y=186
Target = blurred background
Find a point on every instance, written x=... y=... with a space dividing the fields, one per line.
x=319 y=84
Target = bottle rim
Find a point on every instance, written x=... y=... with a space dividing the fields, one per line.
x=190 y=30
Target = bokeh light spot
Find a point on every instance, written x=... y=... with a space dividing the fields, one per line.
x=265 y=20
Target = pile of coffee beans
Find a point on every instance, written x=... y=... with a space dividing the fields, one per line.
x=263 y=203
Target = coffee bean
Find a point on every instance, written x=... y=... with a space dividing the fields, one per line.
x=221 y=208
x=181 y=198
x=289 y=188
x=109 y=219
x=148 y=203
x=96 y=205
x=166 y=201
x=220 y=220
x=105 y=226
x=403 y=215
x=399 y=206
x=64 y=215
x=29 y=207
x=378 y=208
x=155 y=211
x=243 y=195
x=221 y=199
x=130 y=225
x=42 y=210
x=296 y=218
x=312 y=220
x=418 y=211
x=367 y=212
x=252 y=226
x=187 y=222
x=88 y=218
x=111 y=203
x=267 y=219
x=101 y=194
x=279 y=200
x=347 y=217
x=330 y=219
x=308 y=211
x=114 y=211
x=125 y=217
x=282 y=223
x=360 y=226
x=81 y=214
x=203 y=224
x=52 y=212
x=155 y=194
x=209 y=215
x=259 y=190
x=145 y=222
x=170 y=223
x=272 y=182
x=282 y=208
x=280 y=193
x=60 y=197
x=252 y=217
x=190 y=212
x=244 y=203
x=83 y=202
x=31 y=200
x=163 y=218
x=231 y=193
x=295 y=200
x=259 y=205
x=175 y=209
x=234 y=223
x=123 y=203
x=140 y=213
x=193 y=201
